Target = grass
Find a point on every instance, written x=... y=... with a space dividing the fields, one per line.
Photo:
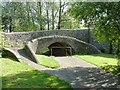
x=48 y=61
x=105 y=61
x=20 y=75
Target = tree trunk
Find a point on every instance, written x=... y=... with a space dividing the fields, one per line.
x=40 y=4
x=59 y=20
x=10 y=24
x=118 y=49
x=28 y=13
x=88 y=40
x=52 y=19
x=40 y=14
x=118 y=53
x=48 y=20
x=111 y=48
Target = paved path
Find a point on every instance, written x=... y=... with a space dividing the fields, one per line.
x=81 y=74
x=66 y=62
x=78 y=73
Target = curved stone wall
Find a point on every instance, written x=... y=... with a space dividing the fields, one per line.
x=7 y=52
x=38 y=45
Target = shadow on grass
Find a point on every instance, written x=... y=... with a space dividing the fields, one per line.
x=33 y=79
x=115 y=69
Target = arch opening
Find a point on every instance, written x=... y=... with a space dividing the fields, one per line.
x=58 y=49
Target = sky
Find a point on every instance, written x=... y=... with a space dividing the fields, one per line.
x=61 y=0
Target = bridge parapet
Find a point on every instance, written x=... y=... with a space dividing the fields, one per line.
x=18 y=39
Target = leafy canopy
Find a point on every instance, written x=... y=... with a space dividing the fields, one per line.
x=103 y=17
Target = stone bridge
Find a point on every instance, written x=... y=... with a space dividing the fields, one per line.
x=37 y=42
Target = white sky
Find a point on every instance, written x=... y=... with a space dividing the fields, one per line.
x=61 y=0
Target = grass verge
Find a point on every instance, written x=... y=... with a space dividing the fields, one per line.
x=20 y=75
x=48 y=61
x=105 y=61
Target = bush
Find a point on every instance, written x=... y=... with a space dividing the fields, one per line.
x=112 y=68
x=1 y=41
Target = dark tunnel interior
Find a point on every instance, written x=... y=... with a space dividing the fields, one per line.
x=58 y=49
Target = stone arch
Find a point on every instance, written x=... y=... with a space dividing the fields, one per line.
x=59 y=49
x=7 y=52
x=38 y=45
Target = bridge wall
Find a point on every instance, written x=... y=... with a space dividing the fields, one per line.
x=39 y=45
x=18 y=39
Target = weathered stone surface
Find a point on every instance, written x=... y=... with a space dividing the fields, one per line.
x=18 y=39
x=40 y=44
x=31 y=53
x=9 y=52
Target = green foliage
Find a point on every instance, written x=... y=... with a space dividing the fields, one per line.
x=68 y=22
x=29 y=16
x=112 y=68
x=2 y=43
x=105 y=61
x=48 y=61
x=20 y=75
x=22 y=16
x=46 y=50
x=103 y=17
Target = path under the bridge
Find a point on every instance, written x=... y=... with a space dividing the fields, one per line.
x=78 y=73
x=81 y=74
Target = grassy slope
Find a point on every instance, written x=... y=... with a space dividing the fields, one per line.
x=17 y=75
x=99 y=59
x=105 y=61
x=48 y=61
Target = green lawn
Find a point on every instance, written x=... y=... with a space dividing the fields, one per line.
x=48 y=61
x=105 y=61
x=20 y=75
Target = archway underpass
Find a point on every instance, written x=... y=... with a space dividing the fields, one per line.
x=58 y=49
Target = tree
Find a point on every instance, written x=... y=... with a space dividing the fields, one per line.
x=103 y=17
x=29 y=16
x=47 y=12
x=22 y=16
x=39 y=5
x=53 y=20
x=59 y=20
x=68 y=22
x=61 y=11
